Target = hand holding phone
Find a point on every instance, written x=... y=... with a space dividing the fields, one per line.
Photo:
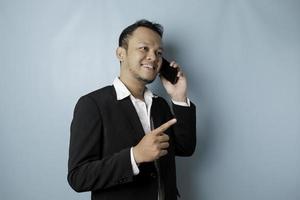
x=168 y=72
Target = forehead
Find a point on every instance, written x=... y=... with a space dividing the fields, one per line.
x=146 y=36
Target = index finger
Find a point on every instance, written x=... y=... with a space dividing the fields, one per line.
x=165 y=126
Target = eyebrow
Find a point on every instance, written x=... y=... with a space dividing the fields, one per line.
x=146 y=43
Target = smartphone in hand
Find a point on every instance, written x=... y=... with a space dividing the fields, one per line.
x=168 y=72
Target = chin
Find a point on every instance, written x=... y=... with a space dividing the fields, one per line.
x=147 y=80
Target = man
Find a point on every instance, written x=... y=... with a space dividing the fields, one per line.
x=124 y=138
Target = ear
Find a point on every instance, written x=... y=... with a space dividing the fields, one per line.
x=120 y=52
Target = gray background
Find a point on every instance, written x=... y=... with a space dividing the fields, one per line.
x=243 y=64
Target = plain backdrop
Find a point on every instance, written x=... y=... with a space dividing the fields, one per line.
x=242 y=60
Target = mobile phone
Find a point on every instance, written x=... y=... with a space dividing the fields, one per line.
x=168 y=72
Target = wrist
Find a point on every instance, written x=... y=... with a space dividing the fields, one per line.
x=136 y=156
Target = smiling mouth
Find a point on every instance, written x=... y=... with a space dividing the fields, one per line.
x=149 y=66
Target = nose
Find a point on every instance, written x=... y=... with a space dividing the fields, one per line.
x=151 y=56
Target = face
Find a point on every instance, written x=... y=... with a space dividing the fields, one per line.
x=142 y=59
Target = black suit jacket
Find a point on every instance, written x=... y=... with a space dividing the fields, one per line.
x=104 y=129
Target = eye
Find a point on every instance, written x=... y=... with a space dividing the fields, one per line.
x=144 y=48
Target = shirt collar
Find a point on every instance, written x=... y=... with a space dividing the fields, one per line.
x=122 y=91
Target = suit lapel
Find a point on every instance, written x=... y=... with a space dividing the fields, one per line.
x=157 y=121
x=132 y=118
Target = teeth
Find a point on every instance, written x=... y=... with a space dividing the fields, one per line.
x=148 y=66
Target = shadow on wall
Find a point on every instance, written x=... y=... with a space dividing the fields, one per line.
x=189 y=169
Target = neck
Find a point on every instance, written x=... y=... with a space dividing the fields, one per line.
x=135 y=87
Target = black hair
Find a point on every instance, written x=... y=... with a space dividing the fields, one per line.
x=123 y=39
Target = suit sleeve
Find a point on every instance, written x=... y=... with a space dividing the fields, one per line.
x=87 y=169
x=185 y=129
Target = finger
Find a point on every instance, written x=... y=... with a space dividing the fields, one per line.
x=164 y=126
x=164 y=145
x=163 y=153
x=175 y=65
x=167 y=125
x=172 y=63
x=179 y=73
x=163 y=138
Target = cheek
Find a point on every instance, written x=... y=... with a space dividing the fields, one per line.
x=136 y=57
